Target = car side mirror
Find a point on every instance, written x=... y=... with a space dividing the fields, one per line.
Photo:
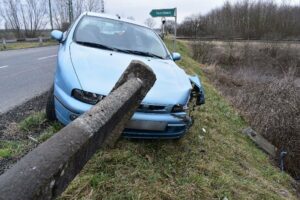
x=57 y=35
x=176 y=56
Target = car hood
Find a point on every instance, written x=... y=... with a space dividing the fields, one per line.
x=98 y=71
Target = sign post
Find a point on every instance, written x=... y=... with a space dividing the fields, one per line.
x=171 y=12
x=4 y=43
x=175 y=32
x=163 y=22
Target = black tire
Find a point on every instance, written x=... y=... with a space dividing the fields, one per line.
x=50 y=108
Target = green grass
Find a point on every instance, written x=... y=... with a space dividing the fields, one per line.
x=24 y=45
x=212 y=164
x=5 y=153
x=33 y=121
x=33 y=124
x=10 y=149
x=50 y=131
x=14 y=148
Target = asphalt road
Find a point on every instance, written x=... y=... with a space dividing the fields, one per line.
x=25 y=74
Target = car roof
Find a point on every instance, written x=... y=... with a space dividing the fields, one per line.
x=115 y=17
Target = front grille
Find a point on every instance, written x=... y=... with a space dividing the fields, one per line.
x=152 y=108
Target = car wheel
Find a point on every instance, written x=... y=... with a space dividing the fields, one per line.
x=50 y=109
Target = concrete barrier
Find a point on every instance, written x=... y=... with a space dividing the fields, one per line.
x=45 y=172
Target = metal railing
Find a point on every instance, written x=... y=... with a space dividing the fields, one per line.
x=40 y=40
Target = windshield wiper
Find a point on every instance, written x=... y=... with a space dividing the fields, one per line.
x=142 y=53
x=101 y=46
x=91 y=44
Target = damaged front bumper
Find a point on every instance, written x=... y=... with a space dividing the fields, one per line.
x=154 y=126
x=142 y=125
x=147 y=125
x=198 y=90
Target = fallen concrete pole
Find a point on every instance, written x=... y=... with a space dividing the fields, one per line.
x=261 y=142
x=45 y=172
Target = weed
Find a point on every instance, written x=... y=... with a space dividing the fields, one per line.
x=11 y=148
x=261 y=85
x=50 y=131
x=33 y=121
x=5 y=153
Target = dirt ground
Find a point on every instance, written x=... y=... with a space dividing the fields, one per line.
x=10 y=132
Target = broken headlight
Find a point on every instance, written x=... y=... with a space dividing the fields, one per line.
x=179 y=108
x=87 y=97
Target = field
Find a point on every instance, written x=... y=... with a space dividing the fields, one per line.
x=262 y=80
x=213 y=161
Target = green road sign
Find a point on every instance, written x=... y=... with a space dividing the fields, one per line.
x=163 y=12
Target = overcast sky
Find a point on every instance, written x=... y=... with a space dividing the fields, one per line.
x=139 y=9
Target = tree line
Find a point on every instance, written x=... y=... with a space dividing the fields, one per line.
x=247 y=19
x=26 y=18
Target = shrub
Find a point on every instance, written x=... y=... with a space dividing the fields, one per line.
x=260 y=80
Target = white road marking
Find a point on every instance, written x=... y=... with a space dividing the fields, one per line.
x=3 y=66
x=43 y=58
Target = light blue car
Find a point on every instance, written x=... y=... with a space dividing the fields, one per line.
x=92 y=56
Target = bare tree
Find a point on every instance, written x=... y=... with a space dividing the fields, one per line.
x=1 y=17
x=34 y=14
x=24 y=17
x=60 y=13
x=102 y=6
x=93 y=5
x=10 y=12
x=81 y=6
x=170 y=26
x=247 y=19
x=78 y=7
x=1 y=21
x=150 y=22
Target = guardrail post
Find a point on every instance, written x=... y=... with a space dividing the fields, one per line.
x=41 y=41
x=46 y=171
x=4 y=43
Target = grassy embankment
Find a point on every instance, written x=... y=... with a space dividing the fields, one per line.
x=213 y=161
x=24 y=45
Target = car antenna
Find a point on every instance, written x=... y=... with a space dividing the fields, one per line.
x=118 y=16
